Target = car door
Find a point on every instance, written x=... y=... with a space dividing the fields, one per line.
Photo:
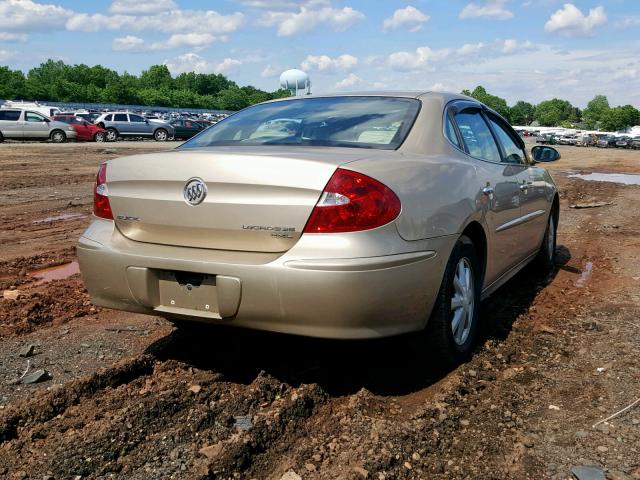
x=81 y=126
x=35 y=125
x=534 y=204
x=139 y=125
x=500 y=187
x=121 y=123
x=10 y=125
x=178 y=125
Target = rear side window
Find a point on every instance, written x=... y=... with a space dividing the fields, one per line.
x=450 y=131
x=63 y=119
x=513 y=153
x=477 y=136
x=10 y=115
x=120 y=117
x=108 y=118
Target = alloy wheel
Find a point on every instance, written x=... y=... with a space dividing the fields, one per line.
x=462 y=301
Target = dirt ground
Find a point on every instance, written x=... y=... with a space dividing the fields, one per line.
x=131 y=397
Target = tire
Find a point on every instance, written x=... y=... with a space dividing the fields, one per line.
x=111 y=135
x=451 y=331
x=160 y=135
x=58 y=136
x=99 y=137
x=546 y=258
x=1 y=138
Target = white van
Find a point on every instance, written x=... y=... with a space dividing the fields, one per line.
x=45 y=110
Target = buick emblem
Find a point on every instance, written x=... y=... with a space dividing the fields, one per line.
x=195 y=191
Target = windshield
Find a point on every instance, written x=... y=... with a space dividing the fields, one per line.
x=360 y=122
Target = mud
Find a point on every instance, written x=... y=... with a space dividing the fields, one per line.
x=132 y=397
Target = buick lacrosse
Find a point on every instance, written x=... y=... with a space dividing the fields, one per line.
x=339 y=216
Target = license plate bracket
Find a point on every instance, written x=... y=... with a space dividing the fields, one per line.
x=187 y=290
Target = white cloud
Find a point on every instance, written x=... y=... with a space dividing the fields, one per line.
x=492 y=9
x=408 y=17
x=177 y=21
x=349 y=82
x=141 y=7
x=306 y=19
x=569 y=20
x=128 y=43
x=324 y=63
x=13 y=37
x=425 y=57
x=628 y=21
x=440 y=87
x=6 y=55
x=132 y=43
x=514 y=46
x=26 y=15
x=192 y=62
x=271 y=71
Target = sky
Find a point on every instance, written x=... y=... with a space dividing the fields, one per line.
x=528 y=50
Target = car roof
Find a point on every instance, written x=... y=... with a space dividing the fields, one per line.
x=445 y=96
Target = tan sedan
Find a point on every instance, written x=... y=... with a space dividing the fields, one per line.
x=341 y=216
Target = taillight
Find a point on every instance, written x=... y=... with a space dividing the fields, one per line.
x=101 y=206
x=352 y=202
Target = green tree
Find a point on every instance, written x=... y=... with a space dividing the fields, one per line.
x=158 y=76
x=551 y=113
x=595 y=111
x=522 y=113
x=619 y=118
x=496 y=103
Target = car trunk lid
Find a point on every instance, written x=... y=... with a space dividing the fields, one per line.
x=258 y=198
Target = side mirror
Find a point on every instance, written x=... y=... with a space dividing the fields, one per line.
x=541 y=153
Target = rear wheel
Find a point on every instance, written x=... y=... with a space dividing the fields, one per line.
x=451 y=331
x=160 y=135
x=99 y=137
x=58 y=136
x=111 y=135
x=547 y=254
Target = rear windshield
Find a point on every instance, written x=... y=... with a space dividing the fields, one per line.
x=360 y=122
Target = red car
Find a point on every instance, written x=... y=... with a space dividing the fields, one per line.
x=86 y=131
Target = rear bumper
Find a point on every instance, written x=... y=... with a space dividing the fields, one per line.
x=358 y=297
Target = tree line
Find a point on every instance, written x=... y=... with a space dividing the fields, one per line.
x=598 y=115
x=56 y=81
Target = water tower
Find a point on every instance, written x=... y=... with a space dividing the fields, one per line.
x=295 y=81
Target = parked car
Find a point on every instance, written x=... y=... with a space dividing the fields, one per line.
x=635 y=143
x=186 y=129
x=125 y=124
x=46 y=110
x=369 y=219
x=85 y=131
x=606 y=141
x=18 y=124
x=622 y=142
x=568 y=140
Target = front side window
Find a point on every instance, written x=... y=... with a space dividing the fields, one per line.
x=33 y=117
x=477 y=136
x=120 y=117
x=136 y=118
x=10 y=115
x=357 y=122
x=513 y=153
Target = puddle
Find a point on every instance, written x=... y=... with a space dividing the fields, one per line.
x=62 y=217
x=584 y=276
x=623 y=178
x=58 y=272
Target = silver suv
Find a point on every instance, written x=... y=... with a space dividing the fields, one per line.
x=18 y=124
x=125 y=124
